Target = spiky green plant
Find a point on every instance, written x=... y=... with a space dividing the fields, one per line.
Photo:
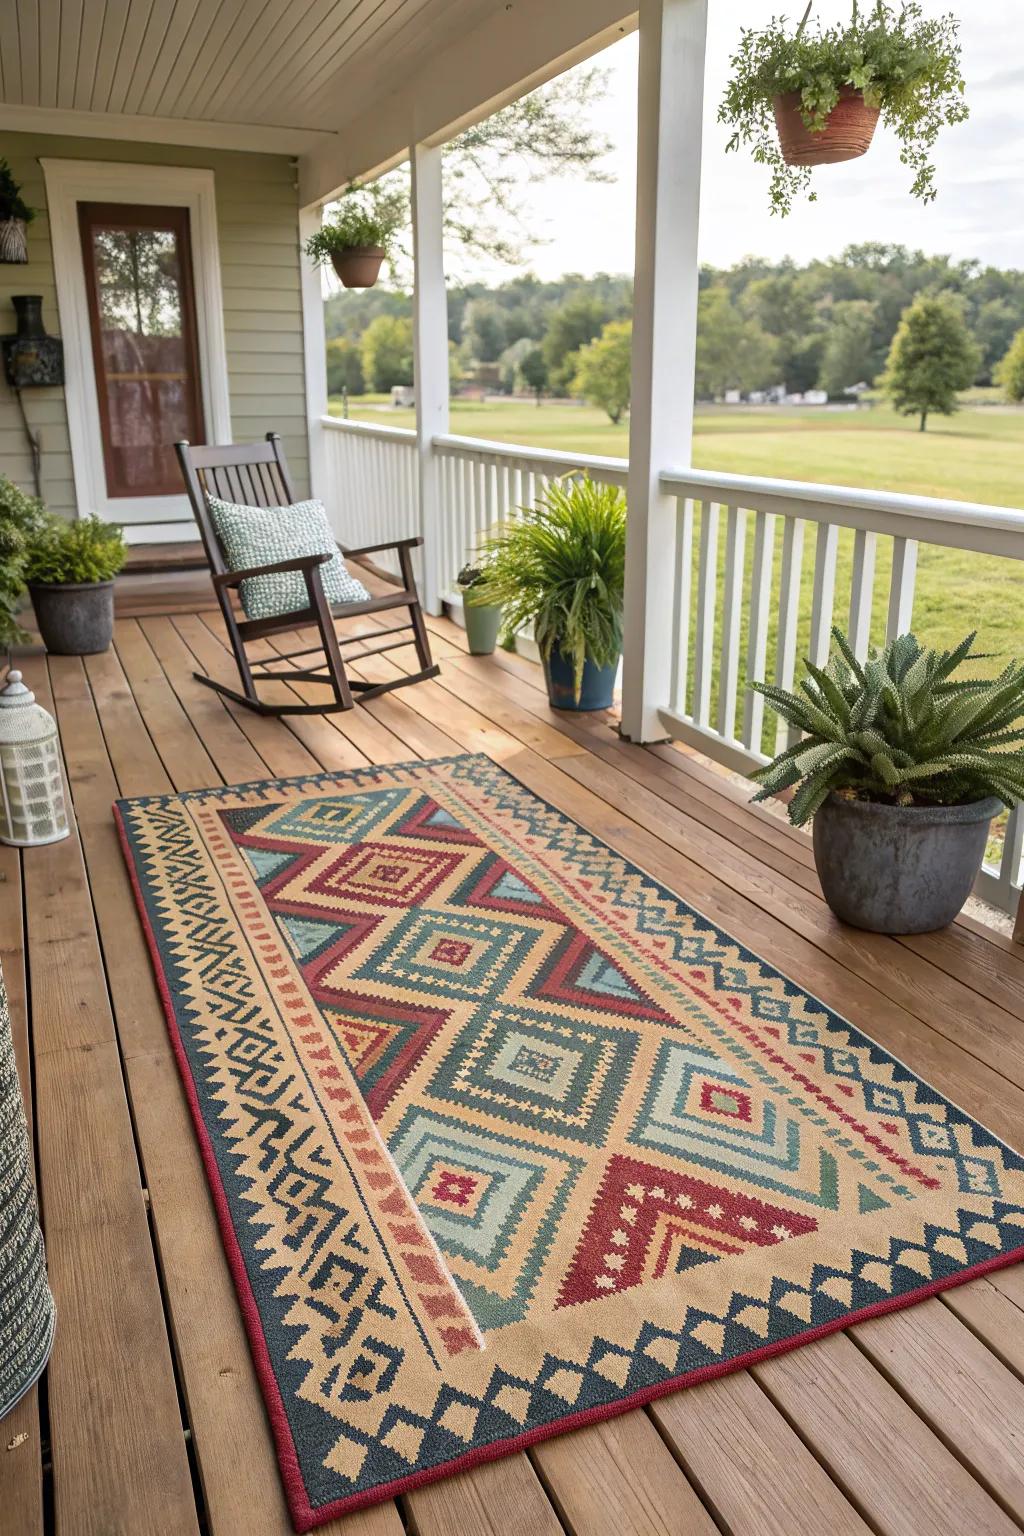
x=561 y=566
x=899 y=729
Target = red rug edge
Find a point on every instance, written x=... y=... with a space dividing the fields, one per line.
x=305 y=1516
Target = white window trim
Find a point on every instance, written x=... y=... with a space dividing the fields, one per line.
x=68 y=183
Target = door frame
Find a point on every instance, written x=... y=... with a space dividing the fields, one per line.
x=147 y=519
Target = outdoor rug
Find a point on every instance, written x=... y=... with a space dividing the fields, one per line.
x=504 y=1137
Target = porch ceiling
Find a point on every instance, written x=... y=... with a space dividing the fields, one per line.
x=294 y=76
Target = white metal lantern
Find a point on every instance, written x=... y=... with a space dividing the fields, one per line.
x=32 y=807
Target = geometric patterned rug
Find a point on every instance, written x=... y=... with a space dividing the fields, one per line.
x=504 y=1137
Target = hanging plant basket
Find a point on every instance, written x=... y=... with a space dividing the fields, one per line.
x=846 y=135
x=13 y=241
x=358 y=266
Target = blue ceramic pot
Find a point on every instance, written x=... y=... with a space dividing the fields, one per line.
x=598 y=687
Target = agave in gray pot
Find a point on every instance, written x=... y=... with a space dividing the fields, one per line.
x=902 y=766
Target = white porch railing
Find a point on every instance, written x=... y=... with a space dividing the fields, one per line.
x=372 y=481
x=745 y=551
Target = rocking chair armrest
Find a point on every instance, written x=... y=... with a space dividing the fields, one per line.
x=375 y=549
x=298 y=563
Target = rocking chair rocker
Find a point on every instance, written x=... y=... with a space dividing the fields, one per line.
x=256 y=475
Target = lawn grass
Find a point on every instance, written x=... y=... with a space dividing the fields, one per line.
x=976 y=455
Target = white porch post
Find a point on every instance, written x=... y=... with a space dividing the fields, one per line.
x=430 y=337
x=671 y=98
x=314 y=347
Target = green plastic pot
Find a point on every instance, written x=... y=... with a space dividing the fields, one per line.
x=482 y=624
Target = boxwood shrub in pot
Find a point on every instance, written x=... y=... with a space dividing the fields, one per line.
x=559 y=568
x=810 y=95
x=360 y=234
x=903 y=761
x=70 y=569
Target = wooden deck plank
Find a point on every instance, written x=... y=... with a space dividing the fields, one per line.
x=902 y=1478
x=620 y=1476
x=732 y=1442
x=111 y=1337
x=21 y=1457
x=958 y=1386
x=172 y=732
x=501 y=1498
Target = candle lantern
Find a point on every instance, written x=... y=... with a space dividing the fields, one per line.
x=32 y=805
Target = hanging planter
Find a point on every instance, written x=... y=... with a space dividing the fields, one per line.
x=847 y=134
x=813 y=96
x=359 y=265
x=15 y=217
x=358 y=238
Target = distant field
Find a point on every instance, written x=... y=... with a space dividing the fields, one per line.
x=976 y=455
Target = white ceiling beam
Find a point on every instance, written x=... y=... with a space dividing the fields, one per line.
x=259 y=137
x=522 y=46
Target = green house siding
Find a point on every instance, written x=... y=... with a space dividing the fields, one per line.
x=257 y=218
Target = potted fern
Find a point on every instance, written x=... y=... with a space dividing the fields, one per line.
x=902 y=764
x=361 y=234
x=559 y=568
x=812 y=95
x=70 y=569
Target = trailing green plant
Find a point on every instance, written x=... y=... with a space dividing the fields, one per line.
x=907 y=65
x=21 y=515
x=899 y=729
x=560 y=566
x=365 y=216
x=12 y=204
x=61 y=553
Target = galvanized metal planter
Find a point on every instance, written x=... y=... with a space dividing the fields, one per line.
x=899 y=869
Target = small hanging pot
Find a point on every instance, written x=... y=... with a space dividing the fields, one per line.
x=13 y=241
x=359 y=266
x=846 y=135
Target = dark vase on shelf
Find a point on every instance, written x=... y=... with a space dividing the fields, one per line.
x=31 y=357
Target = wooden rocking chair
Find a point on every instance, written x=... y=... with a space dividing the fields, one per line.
x=256 y=475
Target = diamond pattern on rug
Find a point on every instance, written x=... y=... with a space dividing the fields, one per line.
x=504 y=1135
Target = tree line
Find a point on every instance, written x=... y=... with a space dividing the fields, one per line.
x=825 y=324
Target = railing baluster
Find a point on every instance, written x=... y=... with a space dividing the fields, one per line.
x=757 y=640
x=681 y=598
x=732 y=615
x=789 y=613
x=707 y=591
x=862 y=592
x=900 y=618
x=823 y=595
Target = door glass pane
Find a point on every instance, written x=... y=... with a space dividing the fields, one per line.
x=142 y=313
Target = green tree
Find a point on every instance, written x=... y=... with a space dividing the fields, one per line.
x=533 y=371
x=344 y=367
x=1009 y=373
x=848 y=353
x=570 y=327
x=932 y=357
x=995 y=326
x=386 y=352
x=733 y=350
x=484 y=333
x=605 y=365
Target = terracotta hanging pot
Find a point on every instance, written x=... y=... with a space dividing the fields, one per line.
x=847 y=133
x=13 y=241
x=359 y=266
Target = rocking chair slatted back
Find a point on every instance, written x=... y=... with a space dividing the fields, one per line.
x=249 y=474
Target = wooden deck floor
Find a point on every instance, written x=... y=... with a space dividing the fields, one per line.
x=150 y=1421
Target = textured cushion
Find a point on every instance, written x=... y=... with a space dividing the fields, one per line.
x=263 y=536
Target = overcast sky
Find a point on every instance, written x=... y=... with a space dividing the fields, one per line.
x=979 y=211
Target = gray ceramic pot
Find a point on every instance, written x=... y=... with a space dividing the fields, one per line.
x=76 y=619
x=899 y=869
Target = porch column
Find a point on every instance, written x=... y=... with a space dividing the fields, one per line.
x=671 y=101
x=314 y=349
x=430 y=352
